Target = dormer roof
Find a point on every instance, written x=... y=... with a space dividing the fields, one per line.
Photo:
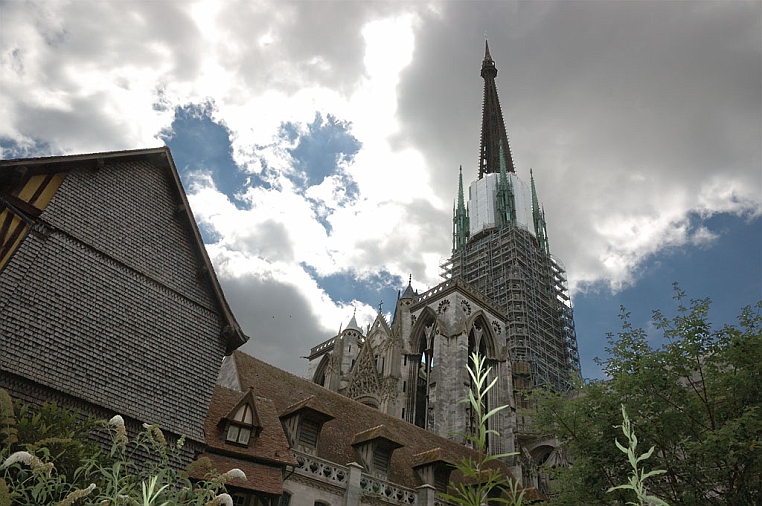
x=434 y=456
x=311 y=406
x=271 y=445
x=378 y=433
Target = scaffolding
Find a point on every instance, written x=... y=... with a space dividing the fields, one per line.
x=529 y=285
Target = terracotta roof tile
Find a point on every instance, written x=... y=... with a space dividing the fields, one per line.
x=352 y=419
x=260 y=477
x=378 y=432
x=270 y=446
x=429 y=457
x=310 y=403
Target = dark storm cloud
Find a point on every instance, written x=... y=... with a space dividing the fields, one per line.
x=277 y=318
x=269 y=239
x=628 y=107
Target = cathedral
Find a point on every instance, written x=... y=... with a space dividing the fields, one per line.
x=504 y=295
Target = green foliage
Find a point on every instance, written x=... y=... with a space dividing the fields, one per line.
x=58 y=434
x=8 y=430
x=482 y=482
x=637 y=481
x=30 y=472
x=697 y=400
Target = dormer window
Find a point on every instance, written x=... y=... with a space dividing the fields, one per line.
x=433 y=468
x=242 y=422
x=308 y=433
x=239 y=430
x=381 y=458
x=374 y=448
x=303 y=422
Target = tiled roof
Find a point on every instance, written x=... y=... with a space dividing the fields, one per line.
x=429 y=457
x=311 y=403
x=271 y=446
x=259 y=477
x=378 y=432
x=352 y=419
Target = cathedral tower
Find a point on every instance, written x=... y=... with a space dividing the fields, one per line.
x=504 y=295
x=500 y=248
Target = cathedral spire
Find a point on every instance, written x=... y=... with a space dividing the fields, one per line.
x=493 y=126
x=460 y=229
x=538 y=217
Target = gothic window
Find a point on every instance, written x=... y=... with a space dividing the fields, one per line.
x=422 y=382
x=321 y=369
x=476 y=342
x=240 y=427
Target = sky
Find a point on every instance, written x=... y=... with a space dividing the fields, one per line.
x=319 y=142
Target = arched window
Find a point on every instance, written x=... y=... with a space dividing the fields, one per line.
x=476 y=342
x=320 y=371
x=426 y=362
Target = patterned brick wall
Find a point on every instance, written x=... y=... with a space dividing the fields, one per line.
x=107 y=305
x=37 y=395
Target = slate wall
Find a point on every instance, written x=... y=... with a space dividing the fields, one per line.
x=107 y=305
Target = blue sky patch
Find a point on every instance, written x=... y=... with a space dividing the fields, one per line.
x=319 y=152
x=723 y=271
x=200 y=145
x=344 y=287
x=10 y=149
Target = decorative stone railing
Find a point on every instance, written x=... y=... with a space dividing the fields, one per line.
x=386 y=491
x=322 y=347
x=322 y=470
x=459 y=282
x=371 y=487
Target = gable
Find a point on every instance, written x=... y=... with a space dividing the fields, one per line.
x=112 y=299
x=364 y=379
x=24 y=195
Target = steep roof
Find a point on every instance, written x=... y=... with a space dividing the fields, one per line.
x=354 y=421
x=15 y=172
x=106 y=290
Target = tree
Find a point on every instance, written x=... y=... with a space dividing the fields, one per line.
x=697 y=400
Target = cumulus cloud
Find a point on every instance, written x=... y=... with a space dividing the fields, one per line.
x=320 y=142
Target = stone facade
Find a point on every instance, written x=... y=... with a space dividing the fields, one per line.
x=415 y=369
x=360 y=455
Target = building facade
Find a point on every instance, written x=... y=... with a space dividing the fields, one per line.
x=109 y=301
x=504 y=295
x=333 y=450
